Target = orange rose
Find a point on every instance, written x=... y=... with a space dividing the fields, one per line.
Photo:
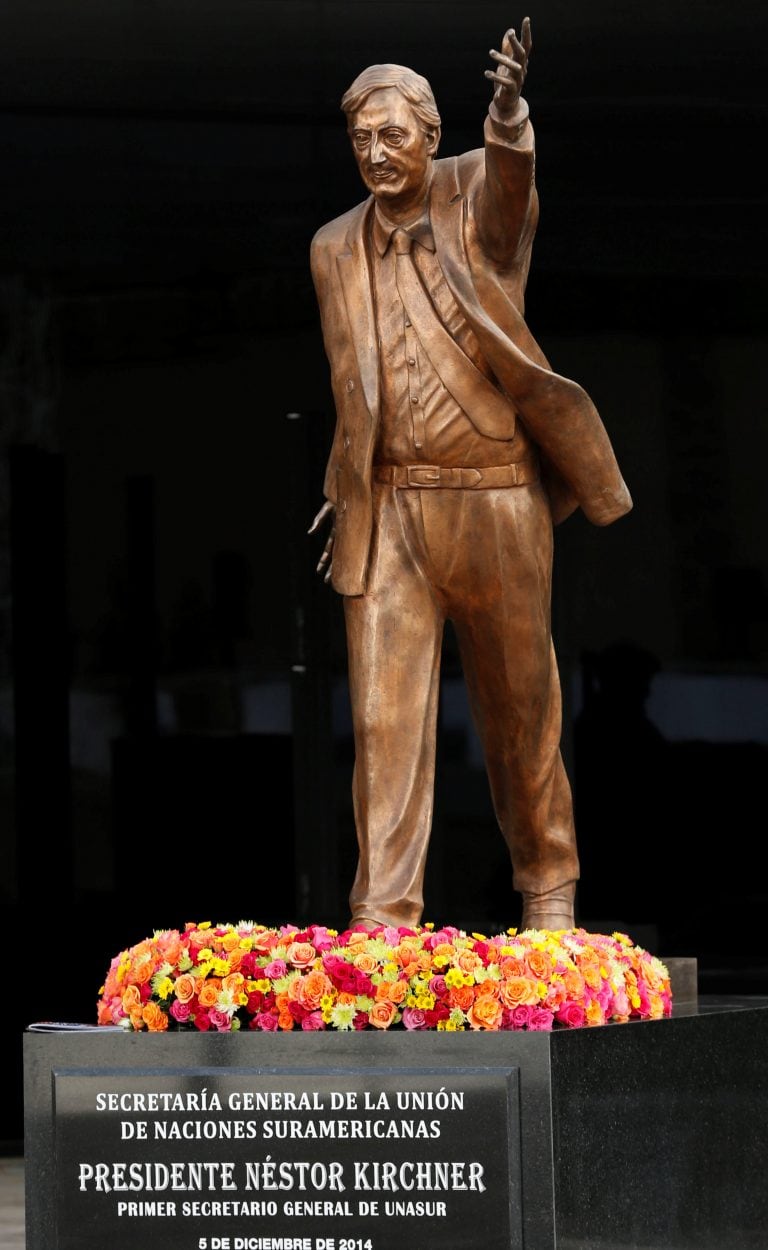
x=516 y=991
x=511 y=966
x=344 y=998
x=594 y=1013
x=155 y=1019
x=131 y=998
x=485 y=1013
x=169 y=946
x=293 y=993
x=314 y=987
x=488 y=989
x=539 y=964
x=137 y=1018
x=574 y=983
x=365 y=962
x=444 y=948
x=592 y=976
x=209 y=992
x=381 y=1015
x=468 y=961
x=185 y=987
x=142 y=973
x=104 y=1013
x=235 y=958
x=300 y=954
x=233 y=983
x=461 y=996
x=285 y=1021
x=229 y=941
x=397 y=991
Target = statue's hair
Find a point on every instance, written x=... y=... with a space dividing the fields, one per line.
x=411 y=85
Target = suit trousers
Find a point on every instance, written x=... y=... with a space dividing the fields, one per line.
x=483 y=559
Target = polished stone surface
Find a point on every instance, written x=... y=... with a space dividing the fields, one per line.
x=646 y=1136
x=12 y=1204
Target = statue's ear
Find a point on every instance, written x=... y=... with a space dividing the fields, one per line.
x=433 y=140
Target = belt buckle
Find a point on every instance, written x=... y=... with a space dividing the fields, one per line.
x=423 y=475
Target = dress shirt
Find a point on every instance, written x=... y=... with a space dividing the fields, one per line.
x=421 y=422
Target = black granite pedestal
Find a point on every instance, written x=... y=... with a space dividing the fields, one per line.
x=649 y=1134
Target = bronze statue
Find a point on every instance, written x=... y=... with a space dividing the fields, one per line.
x=456 y=448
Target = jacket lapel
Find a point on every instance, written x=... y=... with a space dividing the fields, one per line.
x=355 y=278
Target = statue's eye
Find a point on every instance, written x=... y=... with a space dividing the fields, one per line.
x=394 y=138
x=361 y=139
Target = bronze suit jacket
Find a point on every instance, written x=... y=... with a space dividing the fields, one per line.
x=483 y=210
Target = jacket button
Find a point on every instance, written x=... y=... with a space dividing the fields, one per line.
x=347 y=441
x=350 y=384
x=343 y=506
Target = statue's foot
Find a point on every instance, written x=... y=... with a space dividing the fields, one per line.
x=551 y=910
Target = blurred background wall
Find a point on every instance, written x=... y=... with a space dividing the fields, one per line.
x=174 y=730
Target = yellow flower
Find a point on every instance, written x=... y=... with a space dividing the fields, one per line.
x=454 y=977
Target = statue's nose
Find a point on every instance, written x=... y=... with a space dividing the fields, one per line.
x=377 y=152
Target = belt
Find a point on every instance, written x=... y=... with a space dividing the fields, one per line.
x=431 y=476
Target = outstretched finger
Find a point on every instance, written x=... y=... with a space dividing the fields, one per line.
x=322 y=514
x=517 y=49
x=516 y=66
x=504 y=80
x=527 y=37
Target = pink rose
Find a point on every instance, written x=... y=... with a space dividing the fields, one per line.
x=437 y=985
x=313 y=1021
x=267 y=1022
x=275 y=969
x=180 y=1011
x=321 y=938
x=521 y=1015
x=540 y=1020
x=572 y=1014
x=414 y=1018
x=220 y=1020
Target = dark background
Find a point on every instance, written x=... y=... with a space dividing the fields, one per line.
x=174 y=733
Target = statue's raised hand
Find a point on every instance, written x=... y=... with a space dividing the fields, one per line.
x=512 y=66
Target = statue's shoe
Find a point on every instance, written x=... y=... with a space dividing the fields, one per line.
x=551 y=910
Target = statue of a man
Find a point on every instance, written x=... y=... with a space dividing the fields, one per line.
x=456 y=448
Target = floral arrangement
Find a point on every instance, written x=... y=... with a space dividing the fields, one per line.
x=230 y=977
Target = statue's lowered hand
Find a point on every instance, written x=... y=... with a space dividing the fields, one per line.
x=327 y=556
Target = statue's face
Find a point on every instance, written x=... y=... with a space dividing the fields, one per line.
x=392 y=148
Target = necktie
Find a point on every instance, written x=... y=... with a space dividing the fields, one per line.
x=469 y=387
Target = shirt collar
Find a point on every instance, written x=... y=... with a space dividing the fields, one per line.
x=419 y=230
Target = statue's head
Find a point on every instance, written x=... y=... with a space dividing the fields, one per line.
x=394 y=126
